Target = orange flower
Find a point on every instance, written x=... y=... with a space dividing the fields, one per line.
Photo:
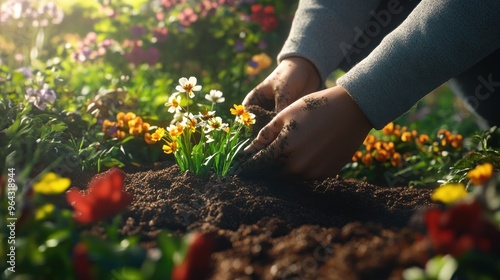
x=120 y=116
x=396 y=160
x=456 y=141
x=135 y=126
x=370 y=139
x=259 y=62
x=148 y=139
x=388 y=129
x=104 y=197
x=481 y=173
x=367 y=159
x=389 y=147
x=445 y=133
x=357 y=155
x=120 y=134
x=406 y=136
x=423 y=139
x=382 y=155
x=129 y=116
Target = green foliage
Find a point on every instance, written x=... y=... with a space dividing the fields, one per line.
x=203 y=142
x=54 y=247
x=486 y=151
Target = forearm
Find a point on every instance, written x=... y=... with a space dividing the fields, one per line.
x=320 y=29
x=439 y=40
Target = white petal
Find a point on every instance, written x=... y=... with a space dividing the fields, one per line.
x=179 y=89
x=197 y=88
x=183 y=81
x=192 y=80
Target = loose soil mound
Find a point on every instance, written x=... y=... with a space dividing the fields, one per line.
x=271 y=229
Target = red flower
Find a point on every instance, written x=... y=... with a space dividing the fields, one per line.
x=196 y=265
x=81 y=263
x=104 y=197
x=265 y=16
x=460 y=229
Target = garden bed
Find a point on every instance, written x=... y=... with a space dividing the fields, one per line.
x=274 y=229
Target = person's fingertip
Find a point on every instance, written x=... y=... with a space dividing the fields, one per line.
x=250 y=149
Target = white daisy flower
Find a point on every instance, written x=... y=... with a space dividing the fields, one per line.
x=174 y=104
x=188 y=86
x=215 y=96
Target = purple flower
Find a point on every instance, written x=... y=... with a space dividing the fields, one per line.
x=262 y=44
x=239 y=46
x=137 y=31
x=253 y=63
x=26 y=71
x=41 y=96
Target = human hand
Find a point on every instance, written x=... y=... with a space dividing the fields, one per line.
x=293 y=78
x=312 y=138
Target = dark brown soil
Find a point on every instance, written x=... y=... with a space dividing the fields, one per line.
x=270 y=229
x=277 y=229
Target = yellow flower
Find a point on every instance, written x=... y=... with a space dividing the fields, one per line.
x=246 y=118
x=135 y=126
x=120 y=116
x=190 y=121
x=44 y=211
x=128 y=116
x=238 y=110
x=481 y=173
x=175 y=130
x=158 y=134
x=449 y=193
x=52 y=183
x=171 y=147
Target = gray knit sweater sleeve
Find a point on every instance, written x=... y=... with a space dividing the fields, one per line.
x=439 y=40
x=321 y=27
